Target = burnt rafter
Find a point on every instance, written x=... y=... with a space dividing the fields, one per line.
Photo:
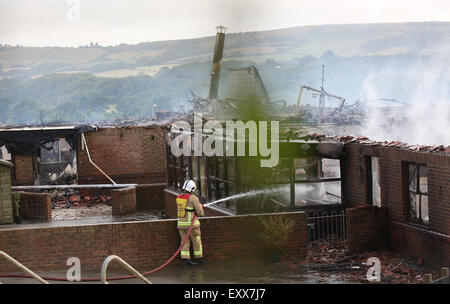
x=28 y=140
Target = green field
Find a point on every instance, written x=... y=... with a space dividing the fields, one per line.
x=282 y=44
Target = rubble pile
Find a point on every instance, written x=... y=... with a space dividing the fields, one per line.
x=328 y=260
x=71 y=199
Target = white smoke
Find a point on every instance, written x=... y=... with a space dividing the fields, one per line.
x=427 y=120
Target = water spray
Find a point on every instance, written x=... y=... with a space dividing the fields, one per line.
x=244 y=194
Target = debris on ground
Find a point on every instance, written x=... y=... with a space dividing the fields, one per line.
x=71 y=199
x=327 y=260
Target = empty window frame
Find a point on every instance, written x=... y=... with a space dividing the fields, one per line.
x=178 y=170
x=418 y=193
x=315 y=169
x=51 y=154
x=317 y=181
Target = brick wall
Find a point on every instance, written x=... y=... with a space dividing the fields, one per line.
x=351 y=176
x=6 y=211
x=366 y=228
x=422 y=246
x=128 y=155
x=23 y=170
x=150 y=196
x=395 y=198
x=35 y=205
x=145 y=244
x=123 y=200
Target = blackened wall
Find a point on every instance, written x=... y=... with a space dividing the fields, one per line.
x=425 y=243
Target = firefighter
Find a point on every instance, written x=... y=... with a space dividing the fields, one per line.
x=189 y=205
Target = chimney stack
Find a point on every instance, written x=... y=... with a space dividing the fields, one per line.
x=217 y=61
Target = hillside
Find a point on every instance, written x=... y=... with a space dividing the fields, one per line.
x=282 y=44
x=404 y=61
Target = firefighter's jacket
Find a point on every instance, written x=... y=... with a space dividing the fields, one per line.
x=187 y=206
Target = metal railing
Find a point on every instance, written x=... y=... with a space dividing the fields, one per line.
x=327 y=228
x=22 y=267
x=124 y=265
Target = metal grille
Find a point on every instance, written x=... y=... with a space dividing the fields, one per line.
x=327 y=227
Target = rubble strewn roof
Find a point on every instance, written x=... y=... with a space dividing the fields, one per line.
x=391 y=144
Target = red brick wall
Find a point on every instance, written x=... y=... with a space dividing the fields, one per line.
x=170 y=207
x=123 y=200
x=420 y=245
x=366 y=228
x=23 y=170
x=128 y=155
x=144 y=244
x=150 y=196
x=35 y=205
x=353 y=173
x=394 y=196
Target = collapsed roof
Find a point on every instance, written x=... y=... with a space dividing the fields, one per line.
x=27 y=140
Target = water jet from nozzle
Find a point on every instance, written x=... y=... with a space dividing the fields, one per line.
x=243 y=195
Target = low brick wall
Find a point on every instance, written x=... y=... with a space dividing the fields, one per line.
x=145 y=244
x=367 y=228
x=170 y=206
x=123 y=200
x=150 y=196
x=34 y=205
x=420 y=245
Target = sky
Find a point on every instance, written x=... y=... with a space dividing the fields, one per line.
x=111 y=22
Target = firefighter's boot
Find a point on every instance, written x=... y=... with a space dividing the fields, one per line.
x=188 y=263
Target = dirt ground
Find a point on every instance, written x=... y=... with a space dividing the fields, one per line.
x=74 y=213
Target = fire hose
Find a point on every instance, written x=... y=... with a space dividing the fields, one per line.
x=118 y=277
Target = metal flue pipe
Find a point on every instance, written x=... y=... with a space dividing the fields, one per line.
x=84 y=144
x=217 y=62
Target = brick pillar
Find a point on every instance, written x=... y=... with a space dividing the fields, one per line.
x=123 y=200
x=367 y=228
x=34 y=205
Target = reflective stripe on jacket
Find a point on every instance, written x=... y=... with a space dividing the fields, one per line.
x=193 y=206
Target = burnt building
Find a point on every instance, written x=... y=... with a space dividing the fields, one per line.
x=393 y=195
